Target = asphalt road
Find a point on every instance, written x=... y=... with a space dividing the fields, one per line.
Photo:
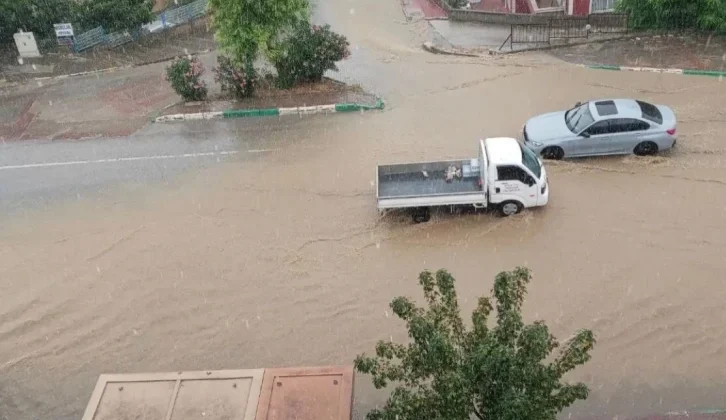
x=35 y=174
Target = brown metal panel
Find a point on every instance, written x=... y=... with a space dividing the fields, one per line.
x=313 y=393
x=212 y=395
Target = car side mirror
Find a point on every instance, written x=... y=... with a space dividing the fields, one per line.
x=585 y=134
x=578 y=104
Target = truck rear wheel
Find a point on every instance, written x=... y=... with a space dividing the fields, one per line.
x=510 y=208
x=421 y=215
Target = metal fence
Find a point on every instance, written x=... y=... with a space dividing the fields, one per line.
x=165 y=20
x=528 y=33
x=609 y=23
x=567 y=27
x=184 y=14
x=89 y=39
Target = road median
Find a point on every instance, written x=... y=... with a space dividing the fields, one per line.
x=273 y=112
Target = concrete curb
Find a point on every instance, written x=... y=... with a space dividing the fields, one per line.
x=113 y=69
x=687 y=72
x=84 y=73
x=272 y=112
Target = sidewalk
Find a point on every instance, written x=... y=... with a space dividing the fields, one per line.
x=184 y=39
x=106 y=105
x=679 y=52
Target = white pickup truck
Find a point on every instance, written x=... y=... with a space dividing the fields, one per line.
x=506 y=175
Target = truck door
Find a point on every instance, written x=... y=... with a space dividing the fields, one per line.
x=514 y=183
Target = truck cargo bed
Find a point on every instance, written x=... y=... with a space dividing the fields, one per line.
x=424 y=179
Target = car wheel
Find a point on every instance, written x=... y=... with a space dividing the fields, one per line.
x=421 y=215
x=553 y=153
x=510 y=208
x=646 y=148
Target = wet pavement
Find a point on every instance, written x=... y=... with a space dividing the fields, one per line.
x=680 y=52
x=280 y=259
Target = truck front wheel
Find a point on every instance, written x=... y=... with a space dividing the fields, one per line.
x=421 y=215
x=510 y=208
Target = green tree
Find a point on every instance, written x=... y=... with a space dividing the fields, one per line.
x=246 y=28
x=449 y=372
x=709 y=15
x=37 y=16
x=115 y=15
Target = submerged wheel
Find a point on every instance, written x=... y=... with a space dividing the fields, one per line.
x=510 y=208
x=646 y=148
x=421 y=215
x=553 y=153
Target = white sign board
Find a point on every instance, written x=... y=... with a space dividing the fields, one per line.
x=27 y=47
x=63 y=29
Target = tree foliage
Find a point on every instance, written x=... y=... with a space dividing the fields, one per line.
x=707 y=15
x=244 y=28
x=449 y=372
x=115 y=15
x=37 y=16
x=308 y=53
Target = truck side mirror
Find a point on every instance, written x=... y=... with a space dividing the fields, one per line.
x=578 y=104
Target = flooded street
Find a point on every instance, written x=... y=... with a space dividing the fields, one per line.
x=282 y=259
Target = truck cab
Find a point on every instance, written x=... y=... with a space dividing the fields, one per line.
x=514 y=175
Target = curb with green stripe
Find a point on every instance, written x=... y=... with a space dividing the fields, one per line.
x=688 y=72
x=273 y=112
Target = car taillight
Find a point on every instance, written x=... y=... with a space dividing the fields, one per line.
x=671 y=132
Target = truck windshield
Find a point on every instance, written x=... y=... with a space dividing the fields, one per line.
x=529 y=159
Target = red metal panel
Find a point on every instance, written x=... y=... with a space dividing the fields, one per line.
x=581 y=7
x=523 y=6
x=316 y=393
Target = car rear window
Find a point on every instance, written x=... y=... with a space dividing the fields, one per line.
x=605 y=108
x=650 y=112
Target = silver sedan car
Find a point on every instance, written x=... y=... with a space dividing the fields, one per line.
x=602 y=127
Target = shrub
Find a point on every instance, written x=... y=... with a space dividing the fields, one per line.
x=183 y=74
x=308 y=53
x=709 y=15
x=115 y=15
x=238 y=82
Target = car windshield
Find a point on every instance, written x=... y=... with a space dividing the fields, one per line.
x=529 y=159
x=578 y=119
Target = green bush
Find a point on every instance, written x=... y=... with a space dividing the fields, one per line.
x=236 y=81
x=115 y=15
x=709 y=15
x=183 y=74
x=308 y=53
x=37 y=16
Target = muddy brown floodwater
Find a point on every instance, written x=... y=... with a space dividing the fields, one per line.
x=283 y=260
